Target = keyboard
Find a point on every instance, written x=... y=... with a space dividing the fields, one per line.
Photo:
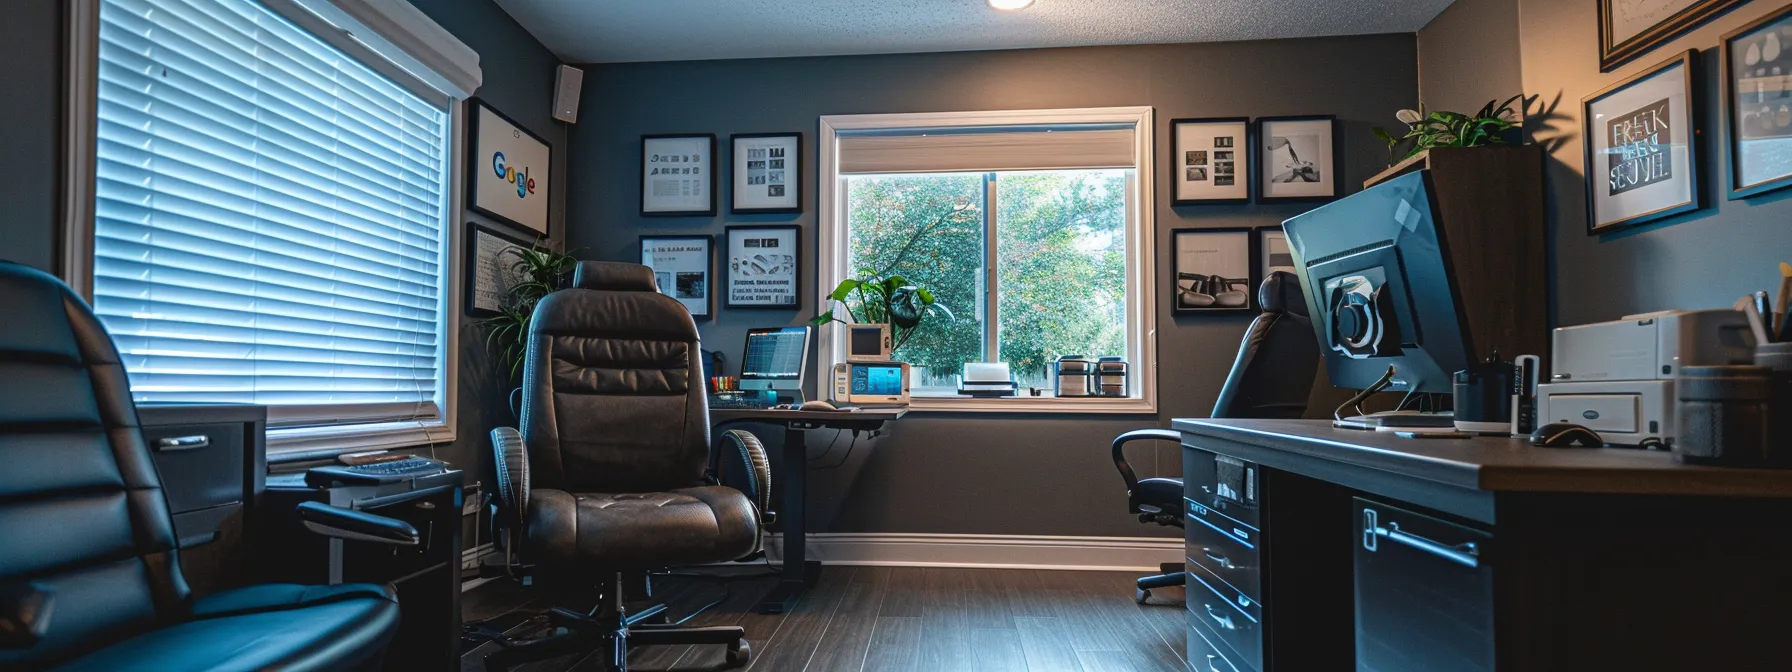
x=376 y=473
x=739 y=402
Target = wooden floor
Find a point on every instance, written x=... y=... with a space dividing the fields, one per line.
x=902 y=619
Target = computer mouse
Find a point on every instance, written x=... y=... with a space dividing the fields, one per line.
x=817 y=405
x=1566 y=435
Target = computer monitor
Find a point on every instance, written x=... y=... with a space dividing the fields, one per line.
x=774 y=360
x=1376 y=270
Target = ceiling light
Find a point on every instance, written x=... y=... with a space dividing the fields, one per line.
x=1010 y=5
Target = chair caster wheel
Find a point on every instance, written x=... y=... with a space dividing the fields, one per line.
x=740 y=653
x=1141 y=596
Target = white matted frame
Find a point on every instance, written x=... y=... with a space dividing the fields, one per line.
x=1141 y=252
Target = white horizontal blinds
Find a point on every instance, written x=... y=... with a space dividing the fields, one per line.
x=269 y=216
x=988 y=149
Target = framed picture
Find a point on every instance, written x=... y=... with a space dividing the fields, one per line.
x=1641 y=159
x=509 y=171
x=768 y=173
x=1211 y=271
x=1272 y=251
x=1757 y=65
x=1631 y=28
x=491 y=268
x=764 y=266
x=1210 y=160
x=1297 y=159
x=681 y=269
x=678 y=177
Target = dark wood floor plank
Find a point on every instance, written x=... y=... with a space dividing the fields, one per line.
x=998 y=650
x=1112 y=606
x=907 y=589
x=1046 y=645
x=895 y=643
x=794 y=642
x=1025 y=595
x=946 y=623
x=1165 y=614
x=759 y=627
x=848 y=634
x=988 y=600
x=1108 y=661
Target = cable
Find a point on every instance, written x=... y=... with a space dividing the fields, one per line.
x=830 y=449
x=720 y=580
x=847 y=456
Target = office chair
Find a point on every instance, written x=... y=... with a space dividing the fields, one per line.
x=90 y=576
x=1271 y=378
x=610 y=476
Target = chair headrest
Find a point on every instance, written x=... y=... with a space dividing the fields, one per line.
x=1281 y=293
x=614 y=276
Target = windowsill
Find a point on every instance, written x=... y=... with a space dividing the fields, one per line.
x=1093 y=405
x=285 y=444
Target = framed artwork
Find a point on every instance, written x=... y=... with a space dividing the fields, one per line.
x=1210 y=161
x=681 y=269
x=765 y=266
x=1757 y=65
x=491 y=268
x=768 y=173
x=1211 y=270
x=1631 y=28
x=1297 y=159
x=1272 y=251
x=1641 y=159
x=678 y=177
x=510 y=170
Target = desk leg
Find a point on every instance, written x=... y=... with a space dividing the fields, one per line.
x=799 y=571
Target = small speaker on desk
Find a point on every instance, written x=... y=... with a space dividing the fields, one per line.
x=567 y=82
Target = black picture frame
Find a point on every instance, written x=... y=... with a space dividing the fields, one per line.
x=1732 y=110
x=796 y=237
x=1264 y=265
x=734 y=207
x=1613 y=54
x=707 y=212
x=709 y=270
x=1249 y=290
x=475 y=165
x=1688 y=62
x=1262 y=187
x=470 y=284
x=1177 y=165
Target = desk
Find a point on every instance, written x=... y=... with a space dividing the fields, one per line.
x=799 y=571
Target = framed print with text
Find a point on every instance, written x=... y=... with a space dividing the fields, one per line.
x=768 y=173
x=1210 y=161
x=1211 y=272
x=681 y=269
x=510 y=172
x=1757 y=93
x=1641 y=157
x=678 y=177
x=1297 y=159
x=764 y=266
x=492 y=254
x=1631 y=28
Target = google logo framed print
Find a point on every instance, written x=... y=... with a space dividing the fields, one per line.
x=509 y=170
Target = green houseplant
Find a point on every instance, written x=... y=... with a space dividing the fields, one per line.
x=1449 y=129
x=538 y=270
x=883 y=299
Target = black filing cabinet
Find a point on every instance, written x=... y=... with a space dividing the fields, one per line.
x=212 y=462
x=1424 y=592
x=1223 y=553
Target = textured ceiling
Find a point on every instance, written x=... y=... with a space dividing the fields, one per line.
x=602 y=31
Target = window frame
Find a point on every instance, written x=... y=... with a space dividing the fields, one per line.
x=379 y=50
x=1141 y=251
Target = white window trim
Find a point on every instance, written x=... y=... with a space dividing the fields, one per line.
x=402 y=25
x=1141 y=305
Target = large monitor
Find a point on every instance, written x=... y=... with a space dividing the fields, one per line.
x=774 y=360
x=1376 y=270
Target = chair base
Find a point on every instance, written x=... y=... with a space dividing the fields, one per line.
x=610 y=629
x=1173 y=575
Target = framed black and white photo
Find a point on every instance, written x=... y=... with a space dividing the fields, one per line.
x=1641 y=159
x=1272 y=251
x=681 y=268
x=1297 y=159
x=1210 y=161
x=678 y=177
x=491 y=270
x=509 y=171
x=1211 y=270
x=1631 y=28
x=768 y=173
x=1757 y=64
x=764 y=266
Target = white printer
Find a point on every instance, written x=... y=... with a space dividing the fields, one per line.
x=1617 y=378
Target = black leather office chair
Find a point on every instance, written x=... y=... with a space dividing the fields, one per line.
x=1271 y=378
x=610 y=476
x=90 y=578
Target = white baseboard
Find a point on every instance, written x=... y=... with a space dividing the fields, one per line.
x=988 y=550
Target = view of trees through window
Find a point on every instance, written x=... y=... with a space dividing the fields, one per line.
x=1060 y=260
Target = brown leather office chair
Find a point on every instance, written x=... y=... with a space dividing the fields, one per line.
x=610 y=476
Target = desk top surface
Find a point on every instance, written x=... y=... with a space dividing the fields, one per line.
x=1492 y=463
x=864 y=414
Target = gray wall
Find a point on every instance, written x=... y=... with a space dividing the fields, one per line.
x=31 y=48
x=1468 y=55
x=958 y=473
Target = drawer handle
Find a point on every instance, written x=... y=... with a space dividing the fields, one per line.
x=1218 y=558
x=1224 y=621
x=1466 y=554
x=194 y=442
x=1210 y=666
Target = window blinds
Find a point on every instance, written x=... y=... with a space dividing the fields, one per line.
x=987 y=149
x=268 y=220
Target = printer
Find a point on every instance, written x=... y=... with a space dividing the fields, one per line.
x=1617 y=378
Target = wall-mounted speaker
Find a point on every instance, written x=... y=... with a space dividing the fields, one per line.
x=567 y=82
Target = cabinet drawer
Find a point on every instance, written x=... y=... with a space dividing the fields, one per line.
x=201 y=465
x=1237 y=630
x=1222 y=483
x=1232 y=594
x=1203 y=654
x=1424 y=592
x=1223 y=554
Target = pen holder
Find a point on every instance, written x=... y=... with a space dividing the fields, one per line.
x=1721 y=417
x=1777 y=357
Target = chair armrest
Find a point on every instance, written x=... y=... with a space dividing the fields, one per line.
x=511 y=459
x=759 y=471
x=24 y=614
x=1126 y=472
x=340 y=523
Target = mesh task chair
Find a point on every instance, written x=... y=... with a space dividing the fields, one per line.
x=610 y=475
x=1271 y=378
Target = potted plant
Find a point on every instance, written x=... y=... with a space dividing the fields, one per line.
x=890 y=299
x=1488 y=126
x=538 y=270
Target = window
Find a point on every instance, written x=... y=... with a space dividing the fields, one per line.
x=269 y=216
x=1027 y=226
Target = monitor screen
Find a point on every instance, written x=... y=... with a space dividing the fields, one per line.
x=774 y=358
x=883 y=380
